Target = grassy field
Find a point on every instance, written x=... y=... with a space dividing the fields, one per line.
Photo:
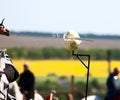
x=65 y=67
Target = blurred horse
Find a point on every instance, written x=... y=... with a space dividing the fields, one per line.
x=8 y=74
x=3 y=29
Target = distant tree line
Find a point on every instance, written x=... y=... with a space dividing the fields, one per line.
x=49 y=34
x=61 y=53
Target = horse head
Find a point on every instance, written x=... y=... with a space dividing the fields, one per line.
x=8 y=74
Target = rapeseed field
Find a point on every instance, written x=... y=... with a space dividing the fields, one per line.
x=66 y=67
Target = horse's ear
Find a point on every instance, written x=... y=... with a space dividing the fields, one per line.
x=11 y=73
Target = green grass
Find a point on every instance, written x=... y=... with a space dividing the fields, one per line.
x=95 y=82
x=40 y=79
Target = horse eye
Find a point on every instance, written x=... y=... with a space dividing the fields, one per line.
x=0 y=75
x=5 y=85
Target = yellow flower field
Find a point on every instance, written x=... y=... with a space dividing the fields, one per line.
x=65 y=67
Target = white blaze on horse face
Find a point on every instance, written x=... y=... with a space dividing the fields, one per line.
x=3 y=78
x=2 y=63
x=72 y=40
x=2 y=59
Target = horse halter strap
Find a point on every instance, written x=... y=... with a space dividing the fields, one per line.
x=2 y=72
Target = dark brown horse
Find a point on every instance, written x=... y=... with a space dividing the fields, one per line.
x=3 y=29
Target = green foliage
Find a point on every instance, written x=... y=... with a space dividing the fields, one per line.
x=63 y=77
x=61 y=53
x=49 y=85
x=96 y=87
x=95 y=84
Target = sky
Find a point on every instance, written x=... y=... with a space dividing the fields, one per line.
x=83 y=16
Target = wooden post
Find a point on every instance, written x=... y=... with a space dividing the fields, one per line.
x=72 y=83
x=109 y=61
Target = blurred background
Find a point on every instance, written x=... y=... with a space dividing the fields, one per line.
x=36 y=31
